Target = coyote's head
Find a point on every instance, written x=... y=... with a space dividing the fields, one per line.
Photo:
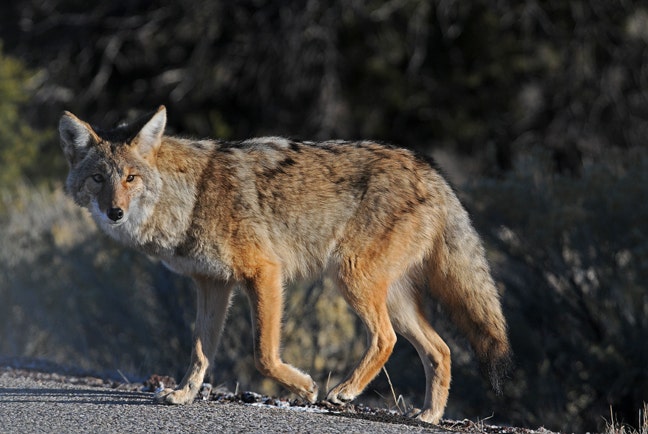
x=113 y=173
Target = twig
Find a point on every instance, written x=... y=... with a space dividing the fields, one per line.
x=123 y=376
x=391 y=387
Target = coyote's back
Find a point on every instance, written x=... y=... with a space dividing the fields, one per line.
x=259 y=212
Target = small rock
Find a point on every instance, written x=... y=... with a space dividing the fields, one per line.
x=205 y=391
x=158 y=382
x=250 y=397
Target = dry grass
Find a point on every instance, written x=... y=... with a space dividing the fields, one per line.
x=615 y=427
x=398 y=401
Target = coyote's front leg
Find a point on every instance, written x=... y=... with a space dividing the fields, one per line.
x=265 y=293
x=212 y=301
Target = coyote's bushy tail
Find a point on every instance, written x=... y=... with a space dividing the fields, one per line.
x=460 y=279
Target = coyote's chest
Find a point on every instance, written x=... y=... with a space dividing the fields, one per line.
x=196 y=265
x=178 y=252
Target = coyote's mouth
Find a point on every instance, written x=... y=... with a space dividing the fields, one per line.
x=117 y=223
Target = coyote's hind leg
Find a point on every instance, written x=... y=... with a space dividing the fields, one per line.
x=410 y=323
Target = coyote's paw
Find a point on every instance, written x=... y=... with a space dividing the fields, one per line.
x=174 y=397
x=341 y=395
x=309 y=394
x=429 y=416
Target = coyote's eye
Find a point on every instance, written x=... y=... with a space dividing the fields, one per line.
x=130 y=178
x=98 y=178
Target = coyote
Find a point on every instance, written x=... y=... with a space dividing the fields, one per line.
x=257 y=213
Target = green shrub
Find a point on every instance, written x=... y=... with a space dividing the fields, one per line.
x=21 y=144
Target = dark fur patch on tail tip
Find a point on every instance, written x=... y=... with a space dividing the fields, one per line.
x=497 y=370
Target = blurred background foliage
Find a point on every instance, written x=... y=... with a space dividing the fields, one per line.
x=536 y=110
x=21 y=144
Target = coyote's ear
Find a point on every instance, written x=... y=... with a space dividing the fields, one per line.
x=148 y=140
x=76 y=137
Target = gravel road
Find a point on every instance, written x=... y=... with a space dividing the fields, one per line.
x=29 y=403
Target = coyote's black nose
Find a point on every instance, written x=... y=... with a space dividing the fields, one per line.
x=115 y=214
